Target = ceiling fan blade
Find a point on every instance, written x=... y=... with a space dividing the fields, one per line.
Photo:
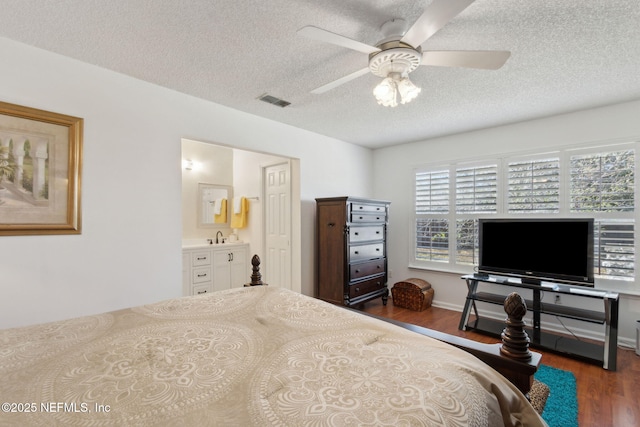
x=340 y=81
x=319 y=34
x=483 y=59
x=435 y=16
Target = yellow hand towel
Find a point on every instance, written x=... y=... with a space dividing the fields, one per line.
x=239 y=220
x=222 y=217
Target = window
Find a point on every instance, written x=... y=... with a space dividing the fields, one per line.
x=603 y=185
x=432 y=197
x=598 y=183
x=534 y=186
x=437 y=227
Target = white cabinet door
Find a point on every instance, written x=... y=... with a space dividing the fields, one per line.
x=230 y=268
x=221 y=270
x=240 y=271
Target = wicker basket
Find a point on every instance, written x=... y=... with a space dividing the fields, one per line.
x=414 y=294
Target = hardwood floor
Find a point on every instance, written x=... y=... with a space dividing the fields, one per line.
x=605 y=398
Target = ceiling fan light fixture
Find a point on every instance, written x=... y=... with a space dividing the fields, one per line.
x=395 y=86
x=408 y=91
x=386 y=92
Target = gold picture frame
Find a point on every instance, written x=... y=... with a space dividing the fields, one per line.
x=40 y=171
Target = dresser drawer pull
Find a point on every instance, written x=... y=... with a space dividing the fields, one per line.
x=356 y=252
x=357 y=271
x=202 y=275
x=201 y=258
x=202 y=292
x=357 y=289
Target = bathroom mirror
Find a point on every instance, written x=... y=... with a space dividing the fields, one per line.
x=214 y=205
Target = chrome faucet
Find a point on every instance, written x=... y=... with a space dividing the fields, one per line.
x=220 y=233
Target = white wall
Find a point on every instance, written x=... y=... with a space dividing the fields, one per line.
x=129 y=250
x=394 y=181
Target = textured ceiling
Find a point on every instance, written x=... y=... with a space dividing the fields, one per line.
x=565 y=55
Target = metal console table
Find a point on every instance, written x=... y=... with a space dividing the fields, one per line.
x=603 y=354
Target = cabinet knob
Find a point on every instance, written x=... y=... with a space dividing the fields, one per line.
x=357 y=271
x=356 y=252
x=332 y=224
x=356 y=233
x=357 y=289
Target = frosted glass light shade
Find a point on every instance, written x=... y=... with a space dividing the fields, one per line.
x=386 y=92
x=408 y=91
x=393 y=87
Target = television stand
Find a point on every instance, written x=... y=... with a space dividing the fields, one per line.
x=602 y=354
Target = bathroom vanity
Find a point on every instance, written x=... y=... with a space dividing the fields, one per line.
x=212 y=267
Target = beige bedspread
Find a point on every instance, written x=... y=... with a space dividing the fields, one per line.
x=260 y=356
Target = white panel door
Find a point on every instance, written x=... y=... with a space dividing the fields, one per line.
x=277 y=183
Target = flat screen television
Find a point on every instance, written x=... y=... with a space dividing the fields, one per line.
x=555 y=250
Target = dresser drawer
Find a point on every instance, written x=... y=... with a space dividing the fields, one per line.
x=201 y=258
x=365 y=287
x=362 y=217
x=362 y=252
x=364 y=269
x=363 y=234
x=369 y=208
x=201 y=275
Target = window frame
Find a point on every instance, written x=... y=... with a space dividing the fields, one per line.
x=564 y=155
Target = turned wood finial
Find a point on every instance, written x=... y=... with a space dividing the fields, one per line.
x=256 y=277
x=515 y=341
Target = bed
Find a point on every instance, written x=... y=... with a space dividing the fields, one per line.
x=252 y=356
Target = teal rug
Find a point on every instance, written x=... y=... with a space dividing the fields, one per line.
x=561 y=409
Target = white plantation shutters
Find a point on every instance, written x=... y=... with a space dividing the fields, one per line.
x=603 y=184
x=534 y=186
x=432 y=202
x=596 y=182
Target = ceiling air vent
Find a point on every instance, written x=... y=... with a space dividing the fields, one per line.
x=273 y=100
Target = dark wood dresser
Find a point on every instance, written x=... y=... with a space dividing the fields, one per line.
x=351 y=237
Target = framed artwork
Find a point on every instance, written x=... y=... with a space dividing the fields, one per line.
x=40 y=171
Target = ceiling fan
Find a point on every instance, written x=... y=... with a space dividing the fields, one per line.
x=399 y=52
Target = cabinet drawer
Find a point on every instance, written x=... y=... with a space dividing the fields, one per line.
x=363 y=234
x=201 y=258
x=359 y=217
x=362 y=252
x=201 y=275
x=202 y=289
x=369 y=208
x=365 y=287
x=364 y=269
